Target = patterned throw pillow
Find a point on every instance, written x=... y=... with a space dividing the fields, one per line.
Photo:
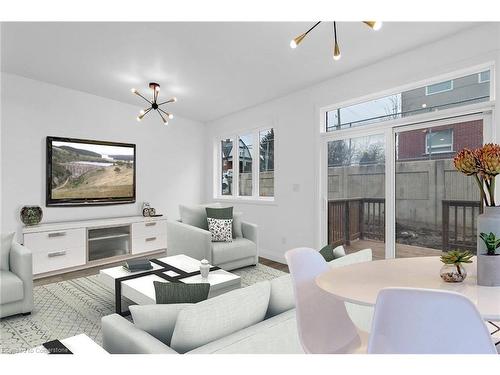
x=221 y=229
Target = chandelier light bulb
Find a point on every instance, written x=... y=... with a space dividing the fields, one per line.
x=174 y=99
x=138 y=118
x=165 y=122
x=133 y=91
x=293 y=45
x=170 y=116
x=336 y=52
x=142 y=111
x=377 y=25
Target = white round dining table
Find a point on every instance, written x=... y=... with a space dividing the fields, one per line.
x=360 y=283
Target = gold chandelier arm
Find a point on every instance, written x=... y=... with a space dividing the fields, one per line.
x=139 y=94
x=298 y=39
x=164 y=121
x=171 y=100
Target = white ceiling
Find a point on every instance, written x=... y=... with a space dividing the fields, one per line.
x=214 y=68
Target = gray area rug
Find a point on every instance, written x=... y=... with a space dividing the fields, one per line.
x=68 y=308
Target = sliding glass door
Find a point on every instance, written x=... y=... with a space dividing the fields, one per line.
x=436 y=207
x=356 y=193
x=396 y=191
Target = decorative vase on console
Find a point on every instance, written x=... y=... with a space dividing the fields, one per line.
x=204 y=268
x=484 y=164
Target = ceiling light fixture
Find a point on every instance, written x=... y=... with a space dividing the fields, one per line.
x=374 y=25
x=154 y=105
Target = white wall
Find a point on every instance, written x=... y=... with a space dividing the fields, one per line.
x=294 y=219
x=170 y=160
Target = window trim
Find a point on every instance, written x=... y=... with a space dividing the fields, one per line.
x=235 y=137
x=427 y=93
x=488 y=65
x=444 y=145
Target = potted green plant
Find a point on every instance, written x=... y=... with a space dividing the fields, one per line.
x=484 y=165
x=453 y=270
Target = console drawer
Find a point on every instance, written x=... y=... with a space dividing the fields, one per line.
x=52 y=260
x=149 y=228
x=150 y=243
x=55 y=240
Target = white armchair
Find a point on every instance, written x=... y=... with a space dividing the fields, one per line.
x=190 y=236
x=16 y=279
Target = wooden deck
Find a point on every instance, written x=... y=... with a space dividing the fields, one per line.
x=402 y=251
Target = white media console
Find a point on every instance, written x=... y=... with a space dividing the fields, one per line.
x=67 y=246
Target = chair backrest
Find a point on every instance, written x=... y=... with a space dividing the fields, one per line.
x=423 y=321
x=322 y=320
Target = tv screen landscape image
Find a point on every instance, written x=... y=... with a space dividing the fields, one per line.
x=86 y=172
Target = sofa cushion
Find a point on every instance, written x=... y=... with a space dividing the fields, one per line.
x=277 y=335
x=239 y=248
x=330 y=253
x=11 y=287
x=172 y=293
x=157 y=320
x=196 y=215
x=220 y=316
x=219 y=212
x=281 y=298
x=6 y=243
x=237 y=231
x=221 y=229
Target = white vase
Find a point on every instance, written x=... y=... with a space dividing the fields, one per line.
x=204 y=268
x=488 y=266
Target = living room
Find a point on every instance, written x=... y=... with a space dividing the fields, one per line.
x=363 y=180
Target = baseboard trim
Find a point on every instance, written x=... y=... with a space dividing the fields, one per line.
x=271 y=255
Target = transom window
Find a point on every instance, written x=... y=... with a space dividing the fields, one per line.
x=249 y=173
x=473 y=88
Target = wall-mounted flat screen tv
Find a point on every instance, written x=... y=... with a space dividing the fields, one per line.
x=84 y=172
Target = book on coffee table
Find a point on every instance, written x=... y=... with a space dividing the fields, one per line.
x=133 y=265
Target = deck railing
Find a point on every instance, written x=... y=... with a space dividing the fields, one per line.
x=459 y=224
x=364 y=218
x=353 y=218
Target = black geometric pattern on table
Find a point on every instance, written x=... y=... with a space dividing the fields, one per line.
x=72 y=307
x=221 y=229
x=160 y=272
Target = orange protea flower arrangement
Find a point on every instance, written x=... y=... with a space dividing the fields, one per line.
x=466 y=162
x=484 y=164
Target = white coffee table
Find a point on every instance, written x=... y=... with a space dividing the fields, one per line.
x=140 y=289
x=79 y=344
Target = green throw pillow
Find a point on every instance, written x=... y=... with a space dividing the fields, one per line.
x=220 y=213
x=169 y=293
x=330 y=253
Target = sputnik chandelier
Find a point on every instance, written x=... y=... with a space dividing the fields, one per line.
x=154 y=105
x=374 y=25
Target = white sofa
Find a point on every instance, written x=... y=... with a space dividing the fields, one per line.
x=252 y=320
x=16 y=279
x=190 y=236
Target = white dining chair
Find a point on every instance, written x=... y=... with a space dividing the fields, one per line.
x=323 y=323
x=424 y=321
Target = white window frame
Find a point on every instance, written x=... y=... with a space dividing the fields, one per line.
x=427 y=93
x=235 y=137
x=389 y=128
x=408 y=87
x=443 y=145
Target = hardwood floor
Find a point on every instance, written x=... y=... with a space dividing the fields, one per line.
x=273 y=264
x=95 y=271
